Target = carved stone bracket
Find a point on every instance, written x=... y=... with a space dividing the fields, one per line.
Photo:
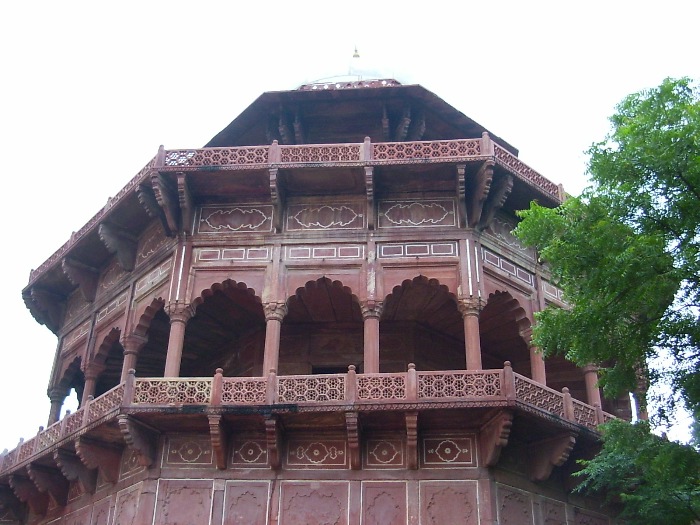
x=167 y=199
x=149 y=202
x=119 y=242
x=299 y=132
x=549 y=453
x=371 y=309
x=10 y=506
x=369 y=189
x=141 y=438
x=418 y=128
x=353 y=428
x=402 y=127
x=50 y=481
x=26 y=491
x=104 y=457
x=480 y=188
x=412 y=440
x=46 y=307
x=219 y=440
x=386 y=126
x=493 y=437
x=83 y=276
x=277 y=198
x=500 y=190
x=461 y=194
x=273 y=438
x=186 y=202
x=275 y=311
x=75 y=470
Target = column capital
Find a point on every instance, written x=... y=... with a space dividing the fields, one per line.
x=179 y=312
x=371 y=309
x=590 y=368
x=92 y=370
x=57 y=394
x=132 y=343
x=275 y=311
x=470 y=306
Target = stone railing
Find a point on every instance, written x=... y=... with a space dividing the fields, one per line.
x=333 y=391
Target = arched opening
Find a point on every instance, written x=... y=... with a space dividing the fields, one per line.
x=109 y=358
x=227 y=331
x=501 y=323
x=154 y=325
x=563 y=373
x=322 y=331
x=72 y=382
x=421 y=324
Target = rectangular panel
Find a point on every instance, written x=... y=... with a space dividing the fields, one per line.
x=183 y=501
x=384 y=454
x=246 y=503
x=322 y=453
x=514 y=506
x=335 y=216
x=419 y=213
x=248 y=453
x=126 y=508
x=184 y=451
x=384 y=503
x=234 y=219
x=100 y=512
x=449 y=451
x=314 y=502
x=449 y=502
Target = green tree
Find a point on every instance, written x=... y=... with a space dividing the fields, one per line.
x=627 y=255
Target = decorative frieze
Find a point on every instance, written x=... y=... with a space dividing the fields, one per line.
x=252 y=253
x=235 y=219
x=334 y=216
x=502 y=229
x=417 y=249
x=552 y=291
x=75 y=335
x=188 y=451
x=449 y=451
x=113 y=307
x=111 y=276
x=322 y=453
x=412 y=214
x=511 y=269
x=154 y=277
x=149 y=243
x=248 y=453
x=326 y=251
x=385 y=454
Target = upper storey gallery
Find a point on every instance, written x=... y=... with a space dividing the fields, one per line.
x=364 y=223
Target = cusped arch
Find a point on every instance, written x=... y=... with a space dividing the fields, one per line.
x=504 y=329
x=105 y=346
x=145 y=318
x=414 y=291
x=71 y=377
x=224 y=287
x=323 y=300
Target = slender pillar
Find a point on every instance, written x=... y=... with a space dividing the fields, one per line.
x=274 y=314
x=57 y=396
x=371 y=312
x=590 y=376
x=179 y=314
x=470 y=308
x=537 y=367
x=132 y=344
x=91 y=374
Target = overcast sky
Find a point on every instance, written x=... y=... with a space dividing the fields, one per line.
x=89 y=90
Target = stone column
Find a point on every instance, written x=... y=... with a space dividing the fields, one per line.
x=57 y=396
x=179 y=314
x=371 y=312
x=92 y=371
x=274 y=314
x=470 y=308
x=590 y=376
x=537 y=367
x=132 y=344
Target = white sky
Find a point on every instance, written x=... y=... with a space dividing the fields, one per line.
x=89 y=90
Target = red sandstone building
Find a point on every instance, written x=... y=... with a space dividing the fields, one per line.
x=320 y=317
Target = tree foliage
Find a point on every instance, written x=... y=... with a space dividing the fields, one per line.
x=626 y=253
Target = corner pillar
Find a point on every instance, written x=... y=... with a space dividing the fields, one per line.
x=57 y=396
x=470 y=308
x=274 y=314
x=371 y=312
x=92 y=372
x=537 y=367
x=132 y=344
x=590 y=376
x=179 y=314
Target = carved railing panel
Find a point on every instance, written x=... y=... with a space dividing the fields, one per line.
x=426 y=150
x=584 y=414
x=26 y=449
x=461 y=384
x=243 y=391
x=49 y=436
x=381 y=387
x=182 y=391
x=310 y=389
x=324 y=153
x=216 y=156
x=608 y=417
x=73 y=422
x=523 y=171
x=107 y=402
x=538 y=395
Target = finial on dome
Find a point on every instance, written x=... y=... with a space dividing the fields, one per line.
x=356 y=54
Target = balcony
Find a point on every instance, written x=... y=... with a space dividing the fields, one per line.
x=350 y=392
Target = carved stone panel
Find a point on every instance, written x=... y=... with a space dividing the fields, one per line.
x=126 y=508
x=322 y=453
x=248 y=453
x=188 y=451
x=324 y=252
x=384 y=454
x=235 y=219
x=443 y=502
x=129 y=464
x=111 y=276
x=149 y=243
x=505 y=265
x=79 y=517
x=100 y=512
x=514 y=507
x=384 y=503
x=314 y=503
x=553 y=512
x=449 y=451
x=417 y=249
x=153 y=278
x=246 y=503
x=227 y=255
x=335 y=216
x=184 y=501
x=412 y=214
